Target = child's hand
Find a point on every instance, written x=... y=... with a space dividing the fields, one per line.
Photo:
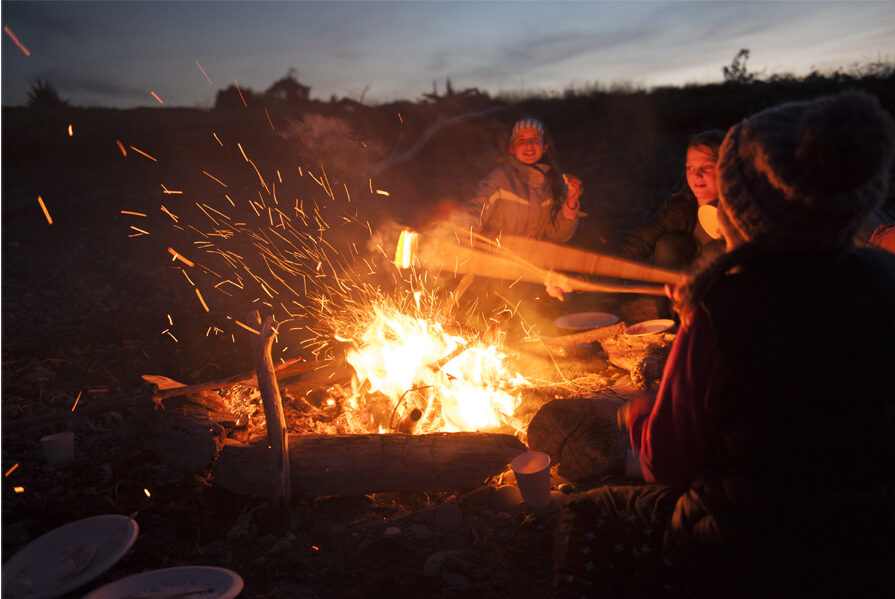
x=574 y=187
x=557 y=284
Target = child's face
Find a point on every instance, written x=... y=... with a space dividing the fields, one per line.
x=701 y=174
x=528 y=147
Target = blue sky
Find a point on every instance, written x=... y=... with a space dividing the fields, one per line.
x=115 y=53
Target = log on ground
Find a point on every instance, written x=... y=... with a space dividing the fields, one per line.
x=358 y=464
x=581 y=434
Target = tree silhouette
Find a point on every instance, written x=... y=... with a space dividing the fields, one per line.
x=44 y=96
x=234 y=98
x=736 y=72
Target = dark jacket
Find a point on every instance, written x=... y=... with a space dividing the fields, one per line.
x=804 y=460
x=516 y=199
x=677 y=215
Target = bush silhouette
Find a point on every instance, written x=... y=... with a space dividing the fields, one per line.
x=44 y=96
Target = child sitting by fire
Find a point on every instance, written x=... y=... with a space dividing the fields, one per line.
x=676 y=236
x=768 y=449
x=527 y=195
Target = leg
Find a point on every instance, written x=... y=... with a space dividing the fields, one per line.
x=610 y=542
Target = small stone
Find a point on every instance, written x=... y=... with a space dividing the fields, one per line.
x=441 y=560
x=420 y=531
x=391 y=531
x=448 y=517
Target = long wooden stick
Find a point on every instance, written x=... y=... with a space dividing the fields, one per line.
x=553 y=256
x=290 y=368
x=277 y=435
x=466 y=260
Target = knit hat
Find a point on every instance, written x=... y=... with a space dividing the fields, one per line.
x=802 y=176
x=527 y=123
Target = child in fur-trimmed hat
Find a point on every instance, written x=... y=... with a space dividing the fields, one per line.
x=768 y=448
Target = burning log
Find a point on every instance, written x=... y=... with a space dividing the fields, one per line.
x=274 y=417
x=358 y=464
x=581 y=434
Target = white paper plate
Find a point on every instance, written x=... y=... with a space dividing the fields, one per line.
x=585 y=320
x=67 y=557
x=187 y=582
x=649 y=327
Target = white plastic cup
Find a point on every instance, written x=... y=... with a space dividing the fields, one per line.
x=59 y=447
x=532 y=470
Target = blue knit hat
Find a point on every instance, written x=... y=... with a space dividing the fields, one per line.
x=527 y=123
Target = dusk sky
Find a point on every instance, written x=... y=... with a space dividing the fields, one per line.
x=116 y=53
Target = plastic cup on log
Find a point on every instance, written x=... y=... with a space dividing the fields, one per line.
x=532 y=470
x=59 y=447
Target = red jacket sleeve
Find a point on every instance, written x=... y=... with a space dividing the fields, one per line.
x=672 y=437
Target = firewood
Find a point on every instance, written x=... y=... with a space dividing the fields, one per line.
x=275 y=419
x=359 y=464
x=625 y=351
x=165 y=390
x=581 y=434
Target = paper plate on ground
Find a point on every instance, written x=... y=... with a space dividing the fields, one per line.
x=649 y=327
x=193 y=582
x=585 y=320
x=67 y=557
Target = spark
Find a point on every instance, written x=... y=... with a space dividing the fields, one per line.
x=19 y=489
x=133 y=213
x=11 y=470
x=216 y=179
x=217 y=139
x=268 y=119
x=247 y=327
x=76 y=401
x=155 y=95
x=177 y=256
x=240 y=94
x=207 y=78
x=229 y=200
x=148 y=494
x=71 y=132
x=44 y=208
x=187 y=278
x=166 y=211
x=382 y=192
x=137 y=150
x=167 y=191
x=121 y=147
x=202 y=300
x=170 y=320
x=400 y=118
x=16 y=40
x=171 y=335
x=139 y=231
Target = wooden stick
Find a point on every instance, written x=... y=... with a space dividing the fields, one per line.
x=275 y=418
x=545 y=254
x=290 y=368
x=471 y=261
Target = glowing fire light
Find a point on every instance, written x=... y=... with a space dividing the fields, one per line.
x=146 y=491
x=71 y=132
x=11 y=470
x=19 y=489
x=456 y=385
x=155 y=95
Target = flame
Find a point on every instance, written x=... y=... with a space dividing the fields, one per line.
x=456 y=384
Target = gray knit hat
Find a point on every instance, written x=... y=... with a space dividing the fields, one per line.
x=803 y=175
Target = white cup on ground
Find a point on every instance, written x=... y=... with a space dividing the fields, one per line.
x=59 y=447
x=532 y=470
